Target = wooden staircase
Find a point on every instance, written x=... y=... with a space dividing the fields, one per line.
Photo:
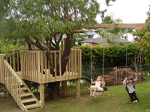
x=19 y=90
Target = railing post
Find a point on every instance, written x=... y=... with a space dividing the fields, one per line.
x=2 y=77
x=116 y=75
x=14 y=64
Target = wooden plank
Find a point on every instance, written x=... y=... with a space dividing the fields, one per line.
x=96 y=26
x=62 y=46
x=64 y=88
x=34 y=64
x=80 y=63
x=60 y=64
x=42 y=93
x=28 y=100
x=10 y=61
x=55 y=64
x=9 y=54
x=69 y=68
x=14 y=64
x=77 y=88
x=41 y=60
x=46 y=71
x=17 y=61
x=73 y=31
x=38 y=66
x=32 y=106
x=17 y=86
x=2 y=77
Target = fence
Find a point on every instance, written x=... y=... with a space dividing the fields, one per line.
x=116 y=75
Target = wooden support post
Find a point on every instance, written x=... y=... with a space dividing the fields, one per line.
x=14 y=64
x=42 y=100
x=77 y=88
x=64 y=88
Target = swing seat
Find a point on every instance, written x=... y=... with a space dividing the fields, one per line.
x=97 y=90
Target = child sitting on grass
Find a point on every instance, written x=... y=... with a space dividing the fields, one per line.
x=129 y=83
x=99 y=84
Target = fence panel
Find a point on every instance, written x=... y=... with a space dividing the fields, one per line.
x=116 y=75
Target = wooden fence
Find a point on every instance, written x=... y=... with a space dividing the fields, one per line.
x=35 y=67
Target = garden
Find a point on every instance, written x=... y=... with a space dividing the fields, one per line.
x=44 y=71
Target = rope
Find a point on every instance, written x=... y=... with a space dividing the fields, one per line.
x=126 y=52
x=103 y=54
x=91 y=59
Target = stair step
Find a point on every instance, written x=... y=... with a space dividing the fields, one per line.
x=28 y=100
x=24 y=88
x=32 y=106
x=26 y=94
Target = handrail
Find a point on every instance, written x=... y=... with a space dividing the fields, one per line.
x=12 y=71
x=13 y=83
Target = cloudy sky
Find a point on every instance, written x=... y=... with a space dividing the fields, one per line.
x=130 y=11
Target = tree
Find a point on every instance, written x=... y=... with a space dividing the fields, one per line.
x=43 y=23
x=144 y=41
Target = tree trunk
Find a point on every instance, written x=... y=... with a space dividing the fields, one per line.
x=54 y=90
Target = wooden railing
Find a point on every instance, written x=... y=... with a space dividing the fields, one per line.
x=2 y=68
x=16 y=60
x=35 y=67
x=13 y=83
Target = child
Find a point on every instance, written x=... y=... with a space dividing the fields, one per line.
x=130 y=87
x=99 y=84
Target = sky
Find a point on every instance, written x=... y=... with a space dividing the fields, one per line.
x=130 y=11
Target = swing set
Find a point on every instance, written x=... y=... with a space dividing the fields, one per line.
x=99 y=92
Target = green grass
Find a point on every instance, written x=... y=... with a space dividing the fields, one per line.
x=115 y=99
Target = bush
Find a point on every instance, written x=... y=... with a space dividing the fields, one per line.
x=114 y=55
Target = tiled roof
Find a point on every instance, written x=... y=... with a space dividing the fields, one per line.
x=102 y=40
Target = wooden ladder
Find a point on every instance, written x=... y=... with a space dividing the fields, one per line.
x=19 y=90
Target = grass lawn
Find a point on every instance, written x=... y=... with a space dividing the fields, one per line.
x=115 y=99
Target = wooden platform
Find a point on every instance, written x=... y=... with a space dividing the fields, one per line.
x=49 y=78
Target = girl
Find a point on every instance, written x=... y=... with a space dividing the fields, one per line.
x=99 y=84
x=130 y=88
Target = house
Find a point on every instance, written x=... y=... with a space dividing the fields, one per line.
x=90 y=34
x=130 y=37
x=96 y=41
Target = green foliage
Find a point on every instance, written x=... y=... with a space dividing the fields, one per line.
x=115 y=53
x=144 y=42
x=33 y=21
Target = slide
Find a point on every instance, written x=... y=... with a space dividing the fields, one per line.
x=89 y=81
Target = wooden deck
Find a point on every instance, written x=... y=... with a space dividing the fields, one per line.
x=46 y=79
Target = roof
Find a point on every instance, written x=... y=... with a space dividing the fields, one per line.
x=96 y=40
x=89 y=33
x=102 y=40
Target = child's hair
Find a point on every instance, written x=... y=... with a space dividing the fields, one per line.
x=131 y=77
x=103 y=83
